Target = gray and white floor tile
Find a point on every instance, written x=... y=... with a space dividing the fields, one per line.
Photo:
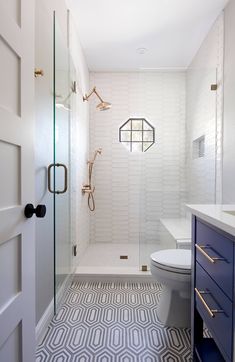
x=112 y=322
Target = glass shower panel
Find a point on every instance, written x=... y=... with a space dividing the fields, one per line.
x=73 y=182
x=181 y=167
x=202 y=136
x=63 y=90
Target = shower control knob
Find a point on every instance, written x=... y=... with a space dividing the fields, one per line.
x=39 y=211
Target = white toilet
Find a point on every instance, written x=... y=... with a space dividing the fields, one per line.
x=172 y=268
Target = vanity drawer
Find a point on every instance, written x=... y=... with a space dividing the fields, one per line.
x=208 y=299
x=214 y=252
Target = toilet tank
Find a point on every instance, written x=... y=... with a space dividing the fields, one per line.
x=183 y=244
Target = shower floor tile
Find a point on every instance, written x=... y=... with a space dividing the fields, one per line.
x=112 y=322
x=104 y=258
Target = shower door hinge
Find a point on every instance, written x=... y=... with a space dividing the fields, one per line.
x=38 y=72
x=75 y=250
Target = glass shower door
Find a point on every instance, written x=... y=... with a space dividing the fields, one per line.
x=60 y=169
x=182 y=167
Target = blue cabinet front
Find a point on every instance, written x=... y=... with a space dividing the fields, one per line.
x=219 y=321
x=219 y=248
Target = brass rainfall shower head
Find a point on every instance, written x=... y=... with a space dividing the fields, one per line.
x=102 y=106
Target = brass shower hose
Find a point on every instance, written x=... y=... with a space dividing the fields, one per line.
x=87 y=188
x=91 y=201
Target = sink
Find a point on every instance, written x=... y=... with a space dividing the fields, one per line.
x=232 y=212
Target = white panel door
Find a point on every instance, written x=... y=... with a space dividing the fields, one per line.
x=17 y=245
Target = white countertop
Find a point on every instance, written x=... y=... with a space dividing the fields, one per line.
x=179 y=228
x=216 y=215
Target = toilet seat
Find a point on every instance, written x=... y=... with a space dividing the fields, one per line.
x=174 y=260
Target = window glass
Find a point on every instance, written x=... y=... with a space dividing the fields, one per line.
x=137 y=135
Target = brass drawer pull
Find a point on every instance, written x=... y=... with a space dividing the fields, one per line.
x=210 y=258
x=211 y=312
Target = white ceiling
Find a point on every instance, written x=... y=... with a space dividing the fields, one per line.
x=172 y=31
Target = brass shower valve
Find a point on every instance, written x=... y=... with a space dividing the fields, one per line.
x=86 y=189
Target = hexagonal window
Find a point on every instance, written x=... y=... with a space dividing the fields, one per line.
x=137 y=135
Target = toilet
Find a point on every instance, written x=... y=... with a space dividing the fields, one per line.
x=172 y=268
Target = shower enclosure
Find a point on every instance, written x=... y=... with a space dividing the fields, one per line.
x=137 y=191
x=60 y=171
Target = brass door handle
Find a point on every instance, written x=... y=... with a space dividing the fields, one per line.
x=211 y=312
x=50 y=189
x=210 y=258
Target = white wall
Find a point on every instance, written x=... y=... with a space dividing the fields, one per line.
x=44 y=156
x=229 y=106
x=131 y=187
x=204 y=116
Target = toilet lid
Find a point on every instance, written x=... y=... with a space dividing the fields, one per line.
x=175 y=258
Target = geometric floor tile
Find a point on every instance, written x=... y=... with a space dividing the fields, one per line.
x=112 y=322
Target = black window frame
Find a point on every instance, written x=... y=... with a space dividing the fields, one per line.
x=131 y=130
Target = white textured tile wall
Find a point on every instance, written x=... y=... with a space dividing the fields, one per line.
x=204 y=116
x=133 y=190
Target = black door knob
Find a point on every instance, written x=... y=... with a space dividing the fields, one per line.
x=39 y=211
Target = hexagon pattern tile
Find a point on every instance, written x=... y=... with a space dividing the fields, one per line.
x=112 y=322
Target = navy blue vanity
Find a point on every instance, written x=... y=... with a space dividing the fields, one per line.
x=213 y=292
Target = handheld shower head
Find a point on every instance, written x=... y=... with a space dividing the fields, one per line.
x=98 y=151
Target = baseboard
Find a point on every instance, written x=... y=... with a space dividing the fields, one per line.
x=47 y=316
x=61 y=293
x=44 y=322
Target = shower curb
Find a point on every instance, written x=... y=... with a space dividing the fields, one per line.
x=113 y=278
